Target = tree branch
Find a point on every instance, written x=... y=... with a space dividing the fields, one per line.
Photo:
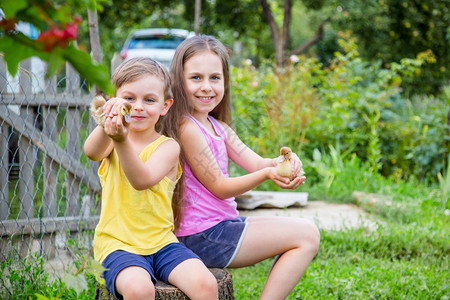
x=317 y=37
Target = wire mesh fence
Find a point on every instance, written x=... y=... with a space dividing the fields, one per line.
x=49 y=190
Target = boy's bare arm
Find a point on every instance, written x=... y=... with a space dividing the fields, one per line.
x=98 y=145
x=143 y=175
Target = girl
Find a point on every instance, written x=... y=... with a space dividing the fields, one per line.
x=211 y=226
x=135 y=238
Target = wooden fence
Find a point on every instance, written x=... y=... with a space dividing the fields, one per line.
x=48 y=188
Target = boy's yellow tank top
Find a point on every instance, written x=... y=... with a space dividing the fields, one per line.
x=139 y=222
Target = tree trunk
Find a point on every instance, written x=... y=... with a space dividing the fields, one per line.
x=94 y=37
x=198 y=9
x=277 y=38
x=280 y=40
x=169 y=292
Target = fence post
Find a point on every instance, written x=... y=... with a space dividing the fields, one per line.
x=4 y=166
x=50 y=167
x=3 y=79
x=26 y=158
x=4 y=152
x=73 y=140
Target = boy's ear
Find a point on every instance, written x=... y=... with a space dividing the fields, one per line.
x=167 y=104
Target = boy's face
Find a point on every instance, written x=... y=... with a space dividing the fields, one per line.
x=146 y=95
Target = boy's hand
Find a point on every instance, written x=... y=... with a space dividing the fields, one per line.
x=115 y=127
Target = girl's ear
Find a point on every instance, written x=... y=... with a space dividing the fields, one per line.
x=167 y=104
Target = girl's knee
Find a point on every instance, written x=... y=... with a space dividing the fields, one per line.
x=308 y=235
x=313 y=237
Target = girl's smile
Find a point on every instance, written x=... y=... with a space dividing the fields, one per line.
x=206 y=99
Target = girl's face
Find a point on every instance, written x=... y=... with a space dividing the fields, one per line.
x=146 y=95
x=203 y=76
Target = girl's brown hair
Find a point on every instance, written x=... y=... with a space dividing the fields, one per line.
x=132 y=70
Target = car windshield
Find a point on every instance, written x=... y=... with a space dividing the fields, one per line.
x=159 y=42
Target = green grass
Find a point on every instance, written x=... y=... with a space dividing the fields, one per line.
x=357 y=265
x=406 y=257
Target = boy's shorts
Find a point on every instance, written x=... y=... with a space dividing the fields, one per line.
x=158 y=265
x=218 y=245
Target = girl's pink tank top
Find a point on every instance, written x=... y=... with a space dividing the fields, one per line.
x=202 y=209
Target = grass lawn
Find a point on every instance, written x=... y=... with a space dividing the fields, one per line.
x=347 y=267
x=406 y=257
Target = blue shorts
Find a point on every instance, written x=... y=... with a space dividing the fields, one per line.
x=218 y=245
x=158 y=265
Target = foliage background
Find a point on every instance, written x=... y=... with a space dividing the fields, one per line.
x=367 y=108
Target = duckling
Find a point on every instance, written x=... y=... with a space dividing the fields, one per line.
x=284 y=168
x=99 y=115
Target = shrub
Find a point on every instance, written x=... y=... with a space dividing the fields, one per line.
x=352 y=103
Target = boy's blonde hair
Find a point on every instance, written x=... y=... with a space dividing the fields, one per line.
x=132 y=70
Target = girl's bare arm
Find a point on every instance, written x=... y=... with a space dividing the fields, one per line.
x=206 y=169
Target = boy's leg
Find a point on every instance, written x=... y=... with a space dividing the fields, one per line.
x=129 y=275
x=179 y=266
x=135 y=283
x=194 y=279
x=295 y=240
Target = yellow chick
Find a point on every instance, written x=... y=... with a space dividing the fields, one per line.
x=99 y=115
x=284 y=168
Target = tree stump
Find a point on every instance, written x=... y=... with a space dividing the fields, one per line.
x=169 y=292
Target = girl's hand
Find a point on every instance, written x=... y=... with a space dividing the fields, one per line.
x=284 y=182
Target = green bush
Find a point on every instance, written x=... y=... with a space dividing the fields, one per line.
x=351 y=103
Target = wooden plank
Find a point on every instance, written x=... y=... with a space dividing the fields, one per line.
x=25 y=76
x=26 y=178
x=59 y=100
x=51 y=149
x=72 y=81
x=46 y=225
x=73 y=149
x=3 y=78
x=4 y=166
x=50 y=83
x=50 y=167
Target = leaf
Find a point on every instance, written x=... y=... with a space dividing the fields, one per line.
x=40 y=297
x=14 y=53
x=96 y=268
x=94 y=73
x=10 y=8
x=76 y=282
x=55 y=61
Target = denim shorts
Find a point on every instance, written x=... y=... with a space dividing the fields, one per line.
x=218 y=245
x=158 y=265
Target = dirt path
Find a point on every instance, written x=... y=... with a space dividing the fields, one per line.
x=327 y=216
